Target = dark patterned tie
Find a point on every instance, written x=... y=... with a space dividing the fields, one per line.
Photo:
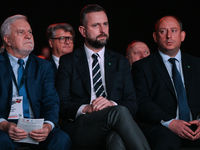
x=184 y=110
x=22 y=89
x=97 y=80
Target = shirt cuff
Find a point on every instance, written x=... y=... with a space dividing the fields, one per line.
x=51 y=123
x=166 y=123
x=2 y=119
x=80 y=112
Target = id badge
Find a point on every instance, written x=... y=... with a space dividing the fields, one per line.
x=16 y=110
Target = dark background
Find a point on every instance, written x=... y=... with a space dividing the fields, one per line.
x=128 y=19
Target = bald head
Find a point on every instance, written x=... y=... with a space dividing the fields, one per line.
x=136 y=51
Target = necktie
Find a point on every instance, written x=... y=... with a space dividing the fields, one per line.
x=184 y=110
x=22 y=88
x=97 y=80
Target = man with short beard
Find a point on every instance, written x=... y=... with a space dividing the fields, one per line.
x=27 y=91
x=96 y=90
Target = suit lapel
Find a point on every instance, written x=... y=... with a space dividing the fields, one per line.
x=187 y=72
x=158 y=62
x=110 y=66
x=6 y=71
x=83 y=68
x=30 y=77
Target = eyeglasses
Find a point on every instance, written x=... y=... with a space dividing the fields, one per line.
x=63 y=39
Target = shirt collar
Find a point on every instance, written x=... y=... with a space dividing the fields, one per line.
x=89 y=52
x=166 y=57
x=14 y=60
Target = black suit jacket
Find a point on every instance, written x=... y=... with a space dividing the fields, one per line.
x=53 y=65
x=74 y=87
x=155 y=92
x=40 y=88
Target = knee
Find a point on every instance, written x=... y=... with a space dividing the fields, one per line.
x=5 y=141
x=58 y=137
x=121 y=110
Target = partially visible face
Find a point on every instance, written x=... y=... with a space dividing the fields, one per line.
x=21 y=38
x=59 y=49
x=97 y=29
x=138 y=51
x=169 y=36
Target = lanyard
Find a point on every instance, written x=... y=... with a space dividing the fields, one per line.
x=13 y=75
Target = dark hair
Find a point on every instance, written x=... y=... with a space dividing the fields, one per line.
x=51 y=30
x=159 y=20
x=88 y=9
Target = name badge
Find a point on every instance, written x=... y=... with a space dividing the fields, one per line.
x=16 y=110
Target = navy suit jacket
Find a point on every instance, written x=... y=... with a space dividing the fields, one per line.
x=74 y=87
x=40 y=87
x=155 y=91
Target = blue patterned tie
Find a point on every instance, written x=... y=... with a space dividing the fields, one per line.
x=97 y=80
x=22 y=90
x=184 y=110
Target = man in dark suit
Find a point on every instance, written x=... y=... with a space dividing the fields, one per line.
x=96 y=91
x=61 y=40
x=168 y=114
x=35 y=92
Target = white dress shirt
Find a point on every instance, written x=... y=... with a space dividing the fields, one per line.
x=168 y=66
x=90 y=59
x=56 y=60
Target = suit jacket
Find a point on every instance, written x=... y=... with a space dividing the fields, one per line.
x=53 y=65
x=40 y=88
x=74 y=87
x=155 y=91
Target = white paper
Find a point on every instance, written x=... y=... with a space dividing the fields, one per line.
x=29 y=125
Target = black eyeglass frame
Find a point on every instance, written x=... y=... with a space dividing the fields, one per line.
x=69 y=38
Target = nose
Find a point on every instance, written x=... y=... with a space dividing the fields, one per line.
x=169 y=34
x=28 y=35
x=142 y=55
x=102 y=29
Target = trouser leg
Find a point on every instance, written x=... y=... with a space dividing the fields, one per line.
x=6 y=143
x=91 y=129
x=114 y=141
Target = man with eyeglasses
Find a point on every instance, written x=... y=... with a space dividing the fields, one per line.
x=61 y=40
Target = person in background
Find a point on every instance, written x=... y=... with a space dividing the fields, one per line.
x=167 y=86
x=96 y=90
x=61 y=37
x=27 y=81
x=137 y=50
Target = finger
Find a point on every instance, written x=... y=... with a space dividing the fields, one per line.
x=97 y=100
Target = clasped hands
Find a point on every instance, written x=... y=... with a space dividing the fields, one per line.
x=182 y=129
x=17 y=134
x=98 y=104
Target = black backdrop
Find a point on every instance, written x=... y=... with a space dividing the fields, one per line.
x=129 y=19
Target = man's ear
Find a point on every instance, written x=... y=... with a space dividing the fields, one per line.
x=183 y=34
x=7 y=40
x=82 y=30
x=51 y=43
x=154 y=36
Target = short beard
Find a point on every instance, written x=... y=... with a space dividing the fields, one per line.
x=97 y=44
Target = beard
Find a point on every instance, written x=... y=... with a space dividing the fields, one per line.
x=98 y=43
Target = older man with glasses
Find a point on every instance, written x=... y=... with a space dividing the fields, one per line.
x=61 y=40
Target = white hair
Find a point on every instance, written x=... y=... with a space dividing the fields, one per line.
x=5 y=27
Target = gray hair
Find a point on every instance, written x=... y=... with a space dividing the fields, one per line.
x=5 y=27
x=51 y=30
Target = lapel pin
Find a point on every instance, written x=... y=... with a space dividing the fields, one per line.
x=109 y=63
x=188 y=66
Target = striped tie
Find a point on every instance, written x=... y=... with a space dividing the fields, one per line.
x=97 y=80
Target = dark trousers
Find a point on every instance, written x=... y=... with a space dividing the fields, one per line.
x=162 y=138
x=56 y=140
x=112 y=127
